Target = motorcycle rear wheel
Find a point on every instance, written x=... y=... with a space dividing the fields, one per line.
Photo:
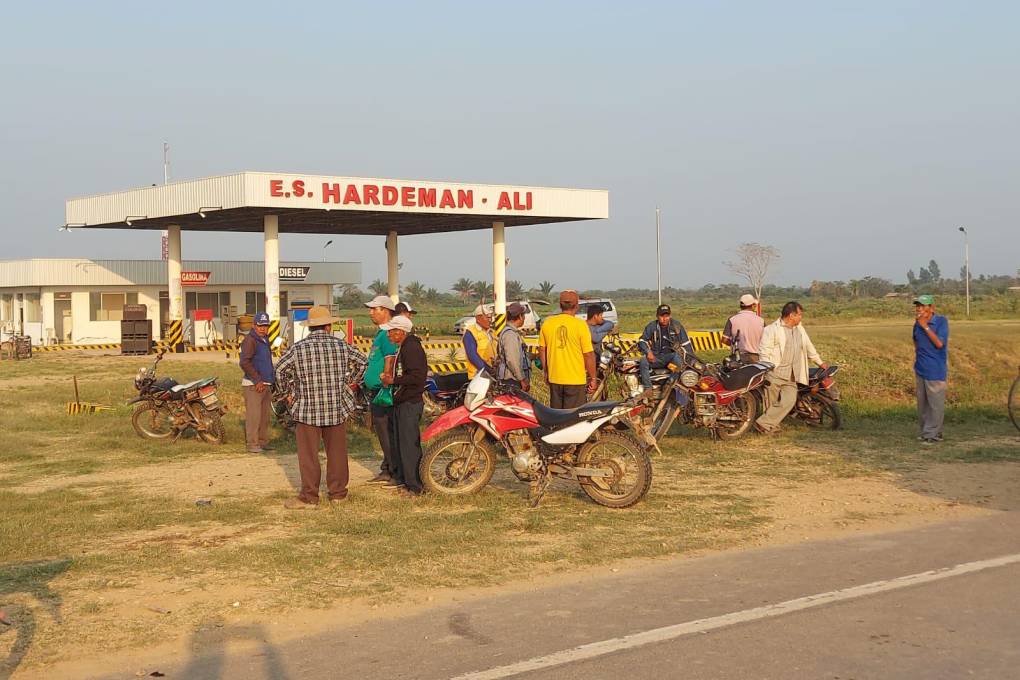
x=214 y=432
x=455 y=464
x=631 y=467
x=832 y=414
x=746 y=408
x=152 y=422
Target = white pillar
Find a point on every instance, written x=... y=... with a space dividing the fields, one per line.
x=271 y=226
x=173 y=269
x=392 y=268
x=498 y=268
x=19 y=313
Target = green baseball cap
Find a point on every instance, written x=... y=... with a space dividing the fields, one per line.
x=924 y=300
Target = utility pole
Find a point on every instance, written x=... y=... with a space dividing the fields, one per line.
x=966 y=267
x=658 y=268
x=164 y=248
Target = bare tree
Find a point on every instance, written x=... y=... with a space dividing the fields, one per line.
x=752 y=262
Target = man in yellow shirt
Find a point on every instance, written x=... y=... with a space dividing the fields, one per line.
x=567 y=355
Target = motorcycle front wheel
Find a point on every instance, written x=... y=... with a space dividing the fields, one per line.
x=213 y=431
x=663 y=419
x=628 y=465
x=455 y=464
x=831 y=416
x=152 y=422
x=743 y=411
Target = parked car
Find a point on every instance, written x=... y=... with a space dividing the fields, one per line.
x=532 y=320
x=609 y=308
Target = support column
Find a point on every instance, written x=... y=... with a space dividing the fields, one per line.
x=19 y=313
x=392 y=268
x=174 y=339
x=499 y=276
x=271 y=229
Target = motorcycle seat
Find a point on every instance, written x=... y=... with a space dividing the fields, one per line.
x=558 y=417
x=740 y=378
x=450 y=382
x=188 y=386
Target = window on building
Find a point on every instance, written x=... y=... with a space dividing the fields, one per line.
x=215 y=301
x=110 y=306
x=33 y=308
x=254 y=302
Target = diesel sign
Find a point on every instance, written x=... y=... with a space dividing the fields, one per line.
x=293 y=273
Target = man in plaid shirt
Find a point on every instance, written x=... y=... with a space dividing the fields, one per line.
x=319 y=373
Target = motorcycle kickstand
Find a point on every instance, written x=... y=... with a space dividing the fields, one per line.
x=537 y=489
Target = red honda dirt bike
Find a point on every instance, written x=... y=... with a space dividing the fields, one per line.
x=599 y=445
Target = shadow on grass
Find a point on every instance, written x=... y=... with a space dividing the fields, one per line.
x=30 y=579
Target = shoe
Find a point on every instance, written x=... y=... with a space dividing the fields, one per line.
x=334 y=502
x=929 y=441
x=380 y=478
x=393 y=485
x=297 y=504
x=939 y=437
x=267 y=447
x=936 y=438
x=255 y=449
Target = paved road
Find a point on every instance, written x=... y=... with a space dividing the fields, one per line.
x=938 y=625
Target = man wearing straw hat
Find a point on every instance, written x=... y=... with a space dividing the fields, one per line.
x=319 y=373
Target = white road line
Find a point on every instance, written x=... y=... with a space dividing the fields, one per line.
x=596 y=649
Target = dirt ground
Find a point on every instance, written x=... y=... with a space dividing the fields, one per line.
x=800 y=511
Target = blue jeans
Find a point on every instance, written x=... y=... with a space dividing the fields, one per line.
x=661 y=361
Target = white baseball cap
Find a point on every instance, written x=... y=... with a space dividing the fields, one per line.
x=383 y=301
x=398 y=322
x=479 y=311
x=748 y=300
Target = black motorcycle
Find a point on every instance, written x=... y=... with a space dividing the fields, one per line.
x=166 y=408
x=817 y=402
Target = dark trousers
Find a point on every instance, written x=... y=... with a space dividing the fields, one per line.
x=405 y=442
x=337 y=473
x=381 y=427
x=567 y=396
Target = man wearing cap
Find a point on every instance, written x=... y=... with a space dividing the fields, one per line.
x=404 y=308
x=598 y=327
x=658 y=341
x=513 y=362
x=408 y=381
x=380 y=359
x=320 y=373
x=567 y=355
x=746 y=327
x=479 y=347
x=931 y=343
x=256 y=358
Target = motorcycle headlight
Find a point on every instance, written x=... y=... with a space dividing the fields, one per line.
x=689 y=378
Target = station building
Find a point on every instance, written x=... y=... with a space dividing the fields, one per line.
x=80 y=301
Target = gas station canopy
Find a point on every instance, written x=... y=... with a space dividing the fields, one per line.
x=316 y=204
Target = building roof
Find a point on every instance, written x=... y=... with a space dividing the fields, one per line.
x=333 y=205
x=85 y=272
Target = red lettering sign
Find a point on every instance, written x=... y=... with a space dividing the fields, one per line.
x=330 y=192
x=405 y=196
x=389 y=195
x=371 y=194
x=197 y=279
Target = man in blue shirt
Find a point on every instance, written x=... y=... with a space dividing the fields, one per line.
x=931 y=342
x=598 y=326
x=657 y=342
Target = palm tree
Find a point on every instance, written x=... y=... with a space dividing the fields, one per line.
x=415 y=290
x=514 y=290
x=482 y=289
x=546 y=289
x=378 y=287
x=464 y=288
x=432 y=295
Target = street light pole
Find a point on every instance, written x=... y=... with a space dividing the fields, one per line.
x=328 y=244
x=658 y=268
x=966 y=267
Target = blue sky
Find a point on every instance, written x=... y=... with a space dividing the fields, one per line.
x=854 y=137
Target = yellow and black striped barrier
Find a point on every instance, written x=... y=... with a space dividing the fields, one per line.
x=498 y=324
x=81 y=408
x=274 y=333
x=67 y=348
x=448 y=367
x=174 y=339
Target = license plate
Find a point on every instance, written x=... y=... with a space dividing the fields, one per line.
x=211 y=400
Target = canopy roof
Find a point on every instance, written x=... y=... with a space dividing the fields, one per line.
x=317 y=204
